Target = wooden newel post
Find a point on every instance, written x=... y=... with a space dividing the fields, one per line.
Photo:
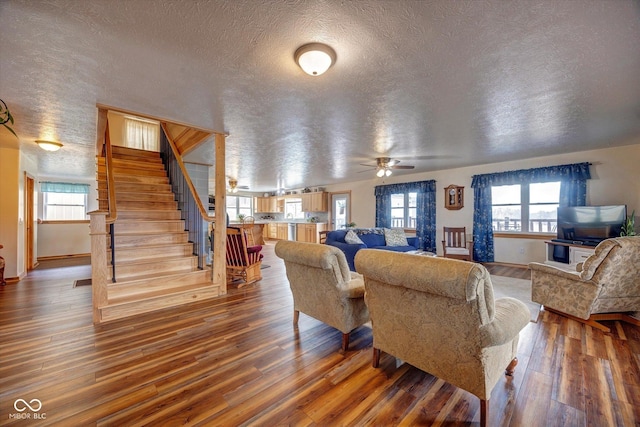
x=220 y=224
x=99 y=263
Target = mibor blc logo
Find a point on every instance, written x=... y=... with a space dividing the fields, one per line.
x=27 y=410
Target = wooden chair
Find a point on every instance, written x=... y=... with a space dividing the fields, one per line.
x=2 y=281
x=243 y=261
x=455 y=244
x=247 y=224
x=323 y=236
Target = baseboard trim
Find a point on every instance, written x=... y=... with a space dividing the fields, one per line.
x=53 y=257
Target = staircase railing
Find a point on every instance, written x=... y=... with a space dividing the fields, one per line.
x=112 y=216
x=193 y=212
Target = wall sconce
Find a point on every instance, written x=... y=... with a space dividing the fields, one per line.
x=49 y=145
x=315 y=58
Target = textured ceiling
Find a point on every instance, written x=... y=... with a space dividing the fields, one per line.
x=436 y=84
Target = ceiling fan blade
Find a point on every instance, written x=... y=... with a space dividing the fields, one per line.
x=371 y=168
x=402 y=167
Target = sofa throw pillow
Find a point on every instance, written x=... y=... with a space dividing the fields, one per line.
x=352 y=238
x=395 y=237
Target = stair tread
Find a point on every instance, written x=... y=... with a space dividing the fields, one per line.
x=155 y=293
x=175 y=276
x=144 y=277
x=153 y=260
x=164 y=276
x=156 y=246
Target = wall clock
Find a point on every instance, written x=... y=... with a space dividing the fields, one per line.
x=454 y=197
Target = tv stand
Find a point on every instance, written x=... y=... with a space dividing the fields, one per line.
x=573 y=254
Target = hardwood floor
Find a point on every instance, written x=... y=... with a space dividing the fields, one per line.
x=237 y=360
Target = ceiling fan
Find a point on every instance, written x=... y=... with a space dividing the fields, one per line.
x=384 y=166
x=233 y=186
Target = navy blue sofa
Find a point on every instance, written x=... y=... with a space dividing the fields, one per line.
x=372 y=238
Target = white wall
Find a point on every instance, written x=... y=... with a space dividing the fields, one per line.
x=63 y=239
x=615 y=179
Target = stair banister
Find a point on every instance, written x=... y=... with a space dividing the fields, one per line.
x=193 y=210
x=111 y=198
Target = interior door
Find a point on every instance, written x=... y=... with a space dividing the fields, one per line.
x=340 y=210
x=29 y=207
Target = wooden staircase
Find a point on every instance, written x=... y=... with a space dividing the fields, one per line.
x=155 y=267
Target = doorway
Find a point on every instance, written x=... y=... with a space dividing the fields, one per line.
x=29 y=209
x=340 y=210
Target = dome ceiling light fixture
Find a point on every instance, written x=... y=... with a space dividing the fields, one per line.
x=315 y=58
x=49 y=145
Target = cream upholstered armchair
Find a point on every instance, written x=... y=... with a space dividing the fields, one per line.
x=606 y=288
x=323 y=287
x=440 y=316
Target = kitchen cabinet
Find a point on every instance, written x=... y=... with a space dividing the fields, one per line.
x=309 y=232
x=272 y=230
x=282 y=231
x=314 y=202
x=265 y=205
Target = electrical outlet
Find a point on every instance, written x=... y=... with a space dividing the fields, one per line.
x=522 y=251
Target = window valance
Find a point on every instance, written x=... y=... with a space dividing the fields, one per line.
x=63 y=187
x=406 y=187
x=571 y=172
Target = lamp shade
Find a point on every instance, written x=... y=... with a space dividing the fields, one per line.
x=315 y=58
x=49 y=145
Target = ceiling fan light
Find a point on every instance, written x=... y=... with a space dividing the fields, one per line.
x=315 y=58
x=380 y=173
x=388 y=172
x=49 y=145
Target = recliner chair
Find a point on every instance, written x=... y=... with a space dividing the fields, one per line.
x=607 y=288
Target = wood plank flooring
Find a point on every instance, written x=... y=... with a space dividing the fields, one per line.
x=237 y=360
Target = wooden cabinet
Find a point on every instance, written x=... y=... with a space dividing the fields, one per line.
x=271 y=230
x=314 y=202
x=309 y=232
x=282 y=231
x=265 y=204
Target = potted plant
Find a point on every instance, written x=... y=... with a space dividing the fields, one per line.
x=629 y=225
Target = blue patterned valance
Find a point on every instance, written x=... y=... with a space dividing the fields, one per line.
x=406 y=187
x=573 y=172
x=63 y=187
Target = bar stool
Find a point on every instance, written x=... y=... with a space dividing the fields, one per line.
x=247 y=225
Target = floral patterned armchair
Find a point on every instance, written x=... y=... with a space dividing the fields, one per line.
x=607 y=288
x=439 y=315
x=323 y=287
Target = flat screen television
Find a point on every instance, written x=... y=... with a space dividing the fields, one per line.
x=590 y=224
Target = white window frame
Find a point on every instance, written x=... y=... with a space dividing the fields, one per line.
x=524 y=205
x=237 y=209
x=406 y=214
x=46 y=204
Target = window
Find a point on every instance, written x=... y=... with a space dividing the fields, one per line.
x=239 y=205
x=528 y=208
x=293 y=209
x=64 y=201
x=141 y=134
x=404 y=210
